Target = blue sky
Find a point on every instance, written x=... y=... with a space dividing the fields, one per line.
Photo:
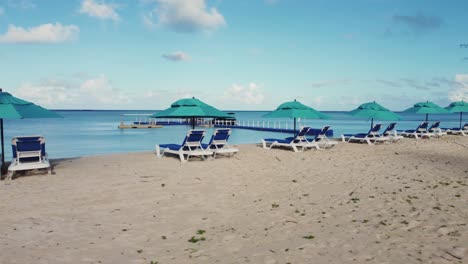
x=233 y=54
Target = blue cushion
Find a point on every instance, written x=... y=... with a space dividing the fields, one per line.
x=206 y=146
x=284 y=141
x=171 y=146
x=360 y=135
x=29 y=145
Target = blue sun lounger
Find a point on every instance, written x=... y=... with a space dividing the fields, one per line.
x=191 y=146
x=391 y=133
x=322 y=140
x=296 y=143
x=458 y=131
x=28 y=154
x=219 y=142
x=436 y=130
x=371 y=137
x=420 y=131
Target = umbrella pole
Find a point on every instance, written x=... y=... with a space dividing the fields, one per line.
x=3 y=167
x=372 y=123
x=294 y=127
x=427 y=115
x=461 y=117
x=193 y=122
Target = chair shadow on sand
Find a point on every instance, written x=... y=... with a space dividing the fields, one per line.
x=39 y=172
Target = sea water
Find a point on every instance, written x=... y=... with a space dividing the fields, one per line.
x=88 y=133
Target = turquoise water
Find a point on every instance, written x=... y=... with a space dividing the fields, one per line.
x=88 y=133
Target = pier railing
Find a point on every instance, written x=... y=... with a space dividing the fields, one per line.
x=280 y=126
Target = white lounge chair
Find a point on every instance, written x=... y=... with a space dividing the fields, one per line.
x=322 y=140
x=218 y=143
x=436 y=130
x=295 y=143
x=371 y=137
x=420 y=131
x=458 y=131
x=391 y=133
x=28 y=154
x=191 y=146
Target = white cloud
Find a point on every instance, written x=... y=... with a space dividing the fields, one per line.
x=460 y=92
x=176 y=56
x=94 y=93
x=99 y=10
x=251 y=94
x=102 y=91
x=185 y=16
x=46 y=33
x=46 y=93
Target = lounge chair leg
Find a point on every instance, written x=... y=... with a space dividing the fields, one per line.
x=182 y=159
x=158 y=151
x=294 y=148
x=264 y=144
x=9 y=176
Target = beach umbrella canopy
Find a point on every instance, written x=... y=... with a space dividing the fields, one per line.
x=15 y=108
x=295 y=109
x=458 y=107
x=373 y=110
x=426 y=108
x=190 y=108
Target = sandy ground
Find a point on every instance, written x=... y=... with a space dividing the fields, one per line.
x=399 y=203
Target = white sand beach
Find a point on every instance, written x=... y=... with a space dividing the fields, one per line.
x=398 y=203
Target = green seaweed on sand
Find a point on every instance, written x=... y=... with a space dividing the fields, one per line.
x=193 y=239
x=310 y=237
x=201 y=232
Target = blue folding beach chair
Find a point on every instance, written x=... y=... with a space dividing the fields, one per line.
x=219 y=142
x=299 y=141
x=28 y=154
x=191 y=146
x=371 y=137
x=420 y=131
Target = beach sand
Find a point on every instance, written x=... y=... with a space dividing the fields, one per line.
x=398 y=203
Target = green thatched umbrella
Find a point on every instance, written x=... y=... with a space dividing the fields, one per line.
x=426 y=108
x=295 y=109
x=373 y=111
x=190 y=108
x=458 y=107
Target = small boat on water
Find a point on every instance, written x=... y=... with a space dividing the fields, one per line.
x=141 y=121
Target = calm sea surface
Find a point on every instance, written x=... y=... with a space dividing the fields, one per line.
x=88 y=133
